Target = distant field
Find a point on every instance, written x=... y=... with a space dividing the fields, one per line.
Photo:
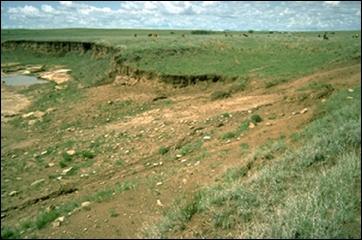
x=270 y=56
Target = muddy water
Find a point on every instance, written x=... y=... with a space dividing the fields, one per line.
x=21 y=80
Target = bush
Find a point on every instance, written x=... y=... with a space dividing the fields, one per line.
x=256 y=118
x=163 y=150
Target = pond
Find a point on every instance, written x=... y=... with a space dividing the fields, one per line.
x=21 y=80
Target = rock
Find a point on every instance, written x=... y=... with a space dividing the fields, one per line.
x=39 y=114
x=37 y=182
x=84 y=175
x=350 y=90
x=197 y=163
x=159 y=203
x=249 y=111
x=70 y=152
x=183 y=160
x=159 y=183
x=13 y=193
x=85 y=204
x=49 y=110
x=304 y=110
x=184 y=181
x=59 y=178
x=27 y=115
x=66 y=171
x=3 y=215
x=178 y=155
x=51 y=164
x=56 y=224
x=32 y=122
x=268 y=124
x=60 y=219
x=207 y=137
x=349 y=97
x=323 y=100
x=110 y=102
x=44 y=152
x=251 y=125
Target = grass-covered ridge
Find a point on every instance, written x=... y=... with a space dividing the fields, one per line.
x=309 y=192
x=212 y=54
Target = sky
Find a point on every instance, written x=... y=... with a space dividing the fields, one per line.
x=209 y=15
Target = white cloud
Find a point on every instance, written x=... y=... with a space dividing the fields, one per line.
x=358 y=13
x=209 y=3
x=47 y=8
x=66 y=3
x=26 y=10
x=332 y=3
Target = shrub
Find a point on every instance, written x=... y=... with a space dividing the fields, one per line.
x=219 y=95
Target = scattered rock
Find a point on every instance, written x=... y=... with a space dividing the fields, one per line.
x=268 y=124
x=85 y=204
x=37 y=182
x=178 y=155
x=207 y=137
x=197 y=163
x=32 y=122
x=304 y=110
x=323 y=100
x=251 y=125
x=71 y=152
x=249 y=111
x=84 y=175
x=183 y=160
x=350 y=90
x=49 y=110
x=57 y=222
x=39 y=114
x=51 y=164
x=13 y=193
x=66 y=171
x=349 y=97
x=27 y=115
x=184 y=181
x=59 y=178
x=44 y=152
x=159 y=183
x=159 y=203
x=110 y=102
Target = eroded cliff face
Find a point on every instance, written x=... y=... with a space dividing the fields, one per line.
x=118 y=66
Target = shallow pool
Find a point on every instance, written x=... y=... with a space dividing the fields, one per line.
x=21 y=80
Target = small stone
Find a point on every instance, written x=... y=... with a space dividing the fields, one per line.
x=178 y=155
x=197 y=163
x=44 y=152
x=51 y=164
x=50 y=110
x=85 y=229
x=56 y=224
x=66 y=171
x=59 y=178
x=249 y=111
x=159 y=203
x=159 y=183
x=323 y=100
x=71 y=152
x=349 y=97
x=27 y=115
x=268 y=124
x=184 y=181
x=84 y=175
x=350 y=90
x=37 y=182
x=32 y=122
x=207 y=137
x=39 y=114
x=183 y=160
x=85 y=204
x=251 y=125
x=161 y=163
x=60 y=219
x=304 y=111
x=110 y=102
x=13 y=193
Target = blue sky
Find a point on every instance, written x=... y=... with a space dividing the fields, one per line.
x=212 y=15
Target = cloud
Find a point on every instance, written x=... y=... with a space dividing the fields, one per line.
x=332 y=3
x=47 y=8
x=66 y=3
x=26 y=10
x=213 y=15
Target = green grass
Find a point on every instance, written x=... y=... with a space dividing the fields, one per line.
x=190 y=147
x=309 y=192
x=255 y=118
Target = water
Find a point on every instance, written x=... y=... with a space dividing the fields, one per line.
x=21 y=80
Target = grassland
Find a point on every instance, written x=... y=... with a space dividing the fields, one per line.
x=270 y=150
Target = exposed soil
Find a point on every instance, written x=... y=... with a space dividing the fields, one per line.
x=190 y=116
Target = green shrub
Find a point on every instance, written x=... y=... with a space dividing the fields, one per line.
x=219 y=95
